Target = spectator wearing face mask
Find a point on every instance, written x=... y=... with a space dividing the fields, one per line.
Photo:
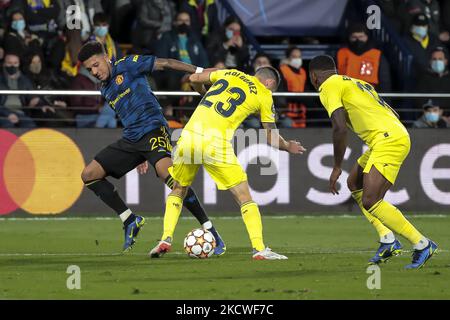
x=360 y=59
x=180 y=44
x=101 y=34
x=12 y=112
x=432 y=117
x=432 y=10
x=87 y=10
x=204 y=19
x=437 y=78
x=41 y=15
x=229 y=45
x=50 y=110
x=19 y=38
x=421 y=43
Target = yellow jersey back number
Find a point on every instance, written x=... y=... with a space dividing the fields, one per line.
x=231 y=104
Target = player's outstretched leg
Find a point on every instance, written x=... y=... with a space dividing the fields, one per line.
x=252 y=219
x=375 y=187
x=389 y=245
x=191 y=203
x=174 y=204
x=94 y=179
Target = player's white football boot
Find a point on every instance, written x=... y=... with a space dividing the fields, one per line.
x=161 y=248
x=268 y=254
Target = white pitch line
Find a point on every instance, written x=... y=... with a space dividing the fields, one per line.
x=345 y=216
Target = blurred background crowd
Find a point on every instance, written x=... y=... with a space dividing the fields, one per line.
x=39 y=52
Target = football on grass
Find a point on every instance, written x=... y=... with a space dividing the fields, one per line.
x=199 y=243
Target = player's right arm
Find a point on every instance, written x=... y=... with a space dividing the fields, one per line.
x=267 y=113
x=199 y=80
x=338 y=120
x=331 y=98
x=278 y=142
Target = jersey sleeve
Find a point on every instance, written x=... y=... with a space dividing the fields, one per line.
x=216 y=75
x=331 y=95
x=267 y=112
x=136 y=64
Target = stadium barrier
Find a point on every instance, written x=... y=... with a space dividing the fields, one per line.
x=40 y=175
x=313 y=106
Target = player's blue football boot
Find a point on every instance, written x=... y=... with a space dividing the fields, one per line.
x=131 y=232
x=220 y=245
x=386 y=251
x=422 y=256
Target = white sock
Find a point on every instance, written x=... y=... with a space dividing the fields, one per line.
x=124 y=215
x=388 y=238
x=207 y=225
x=422 y=244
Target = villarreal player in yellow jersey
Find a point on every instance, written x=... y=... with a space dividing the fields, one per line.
x=205 y=141
x=354 y=104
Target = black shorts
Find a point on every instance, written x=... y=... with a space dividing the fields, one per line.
x=123 y=156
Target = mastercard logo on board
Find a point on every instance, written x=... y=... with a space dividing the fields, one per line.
x=39 y=172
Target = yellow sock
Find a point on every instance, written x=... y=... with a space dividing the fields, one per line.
x=252 y=220
x=174 y=204
x=382 y=230
x=391 y=217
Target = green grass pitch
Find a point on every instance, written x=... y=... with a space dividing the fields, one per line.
x=327 y=260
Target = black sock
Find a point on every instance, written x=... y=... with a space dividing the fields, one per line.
x=129 y=220
x=191 y=203
x=108 y=194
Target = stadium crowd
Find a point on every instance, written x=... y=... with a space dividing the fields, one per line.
x=39 y=51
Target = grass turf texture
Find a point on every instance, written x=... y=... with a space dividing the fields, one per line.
x=327 y=260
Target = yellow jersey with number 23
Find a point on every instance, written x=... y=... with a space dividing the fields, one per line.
x=368 y=115
x=232 y=97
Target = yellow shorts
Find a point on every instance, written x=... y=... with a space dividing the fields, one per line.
x=387 y=156
x=216 y=155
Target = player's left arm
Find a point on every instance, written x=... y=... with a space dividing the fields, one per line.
x=277 y=141
x=338 y=120
x=172 y=64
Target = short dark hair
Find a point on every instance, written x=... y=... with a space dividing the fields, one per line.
x=290 y=49
x=357 y=27
x=260 y=55
x=100 y=17
x=90 y=49
x=441 y=49
x=322 y=63
x=269 y=72
x=231 y=19
x=182 y=12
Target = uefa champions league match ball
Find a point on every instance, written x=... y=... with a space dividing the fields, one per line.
x=199 y=243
